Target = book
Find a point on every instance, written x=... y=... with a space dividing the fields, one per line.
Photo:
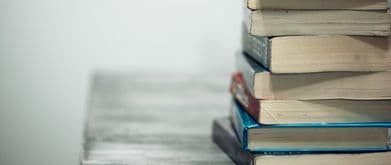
x=317 y=4
x=320 y=53
x=323 y=137
x=309 y=111
x=313 y=86
x=318 y=22
x=224 y=136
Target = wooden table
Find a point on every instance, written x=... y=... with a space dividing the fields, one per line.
x=154 y=119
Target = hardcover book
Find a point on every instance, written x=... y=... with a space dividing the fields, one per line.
x=309 y=111
x=313 y=86
x=224 y=136
x=323 y=137
x=317 y=4
x=305 y=54
x=318 y=22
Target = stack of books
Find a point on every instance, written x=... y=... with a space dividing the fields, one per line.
x=313 y=85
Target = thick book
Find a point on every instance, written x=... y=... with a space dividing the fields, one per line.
x=322 y=137
x=309 y=111
x=313 y=86
x=224 y=136
x=320 y=53
x=317 y=4
x=318 y=22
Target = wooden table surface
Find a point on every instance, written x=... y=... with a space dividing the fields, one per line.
x=154 y=119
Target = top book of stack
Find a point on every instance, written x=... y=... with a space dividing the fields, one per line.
x=318 y=17
x=318 y=4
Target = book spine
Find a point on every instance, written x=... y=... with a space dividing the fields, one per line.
x=257 y=47
x=247 y=19
x=226 y=139
x=238 y=124
x=240 y=91
x=248 y=71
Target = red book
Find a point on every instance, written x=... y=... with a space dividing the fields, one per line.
x=271 y=111
x=240 y=91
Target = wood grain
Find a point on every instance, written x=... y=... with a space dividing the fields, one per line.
x=154 y=119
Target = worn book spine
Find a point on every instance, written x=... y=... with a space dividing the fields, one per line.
x=241 y=122
x=257 y=47
x=225 y=138
x=248 y=68
x=241 y=93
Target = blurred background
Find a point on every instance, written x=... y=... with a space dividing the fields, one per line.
x=50 y=49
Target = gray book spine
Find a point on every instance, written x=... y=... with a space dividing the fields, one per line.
x=225 y=138
x=248 y=67
x=257 y=47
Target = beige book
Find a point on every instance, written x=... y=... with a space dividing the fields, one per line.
x=318 y=22
x=313 y=86
x=318 y=4
x=303 y=54
x=323 y=111
x=331 y=138
x=332 y=85
x=330 y=53
x=378 y=158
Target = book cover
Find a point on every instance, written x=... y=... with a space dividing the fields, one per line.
x=257 y=47
x=241 y=93
x=248 y=68
x=224 y=136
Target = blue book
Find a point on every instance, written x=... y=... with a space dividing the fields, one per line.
x=224 y=136
x=312 y=138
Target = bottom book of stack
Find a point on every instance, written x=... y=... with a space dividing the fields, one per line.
x=227 y=136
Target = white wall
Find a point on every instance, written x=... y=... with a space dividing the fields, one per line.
x=49 y=48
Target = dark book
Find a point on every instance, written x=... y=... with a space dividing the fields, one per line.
x=224 y=136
